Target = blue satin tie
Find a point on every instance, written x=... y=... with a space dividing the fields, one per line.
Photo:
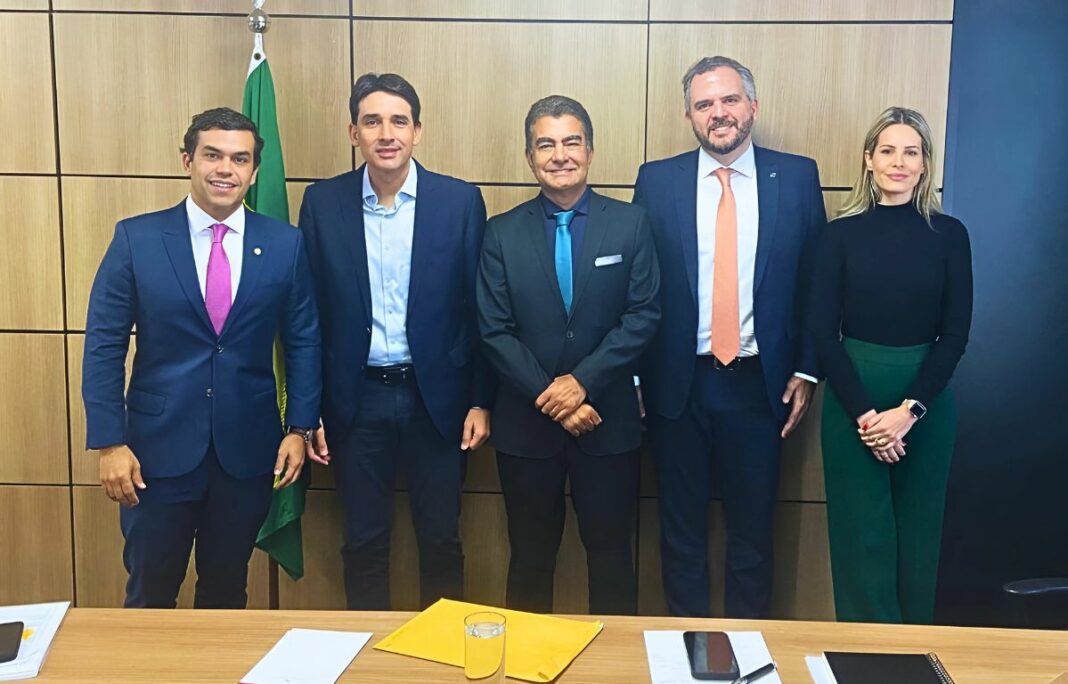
x=563 y=255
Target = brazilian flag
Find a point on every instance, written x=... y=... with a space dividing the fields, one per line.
x=280 y=535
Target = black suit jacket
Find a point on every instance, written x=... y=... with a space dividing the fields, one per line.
x=442 y=334
x=529 y=338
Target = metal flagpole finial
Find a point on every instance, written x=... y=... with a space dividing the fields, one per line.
x=258 y=21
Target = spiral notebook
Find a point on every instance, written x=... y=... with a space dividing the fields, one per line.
x=886 y=668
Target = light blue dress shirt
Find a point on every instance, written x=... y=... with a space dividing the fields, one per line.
x=388 y=234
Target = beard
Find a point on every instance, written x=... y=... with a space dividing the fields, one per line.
x=741 y=132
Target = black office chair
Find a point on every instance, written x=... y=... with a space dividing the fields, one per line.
x=1040 y=603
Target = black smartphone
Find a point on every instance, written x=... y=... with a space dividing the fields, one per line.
x=10 y=640
x=711 y=655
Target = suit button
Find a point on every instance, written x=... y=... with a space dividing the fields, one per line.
x=218 y=350
x=210 y=393
x=570 y=335
x=368 y=331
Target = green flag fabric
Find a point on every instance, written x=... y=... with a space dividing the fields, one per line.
x=280 y=535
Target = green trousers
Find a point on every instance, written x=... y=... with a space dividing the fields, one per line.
x=885 y=521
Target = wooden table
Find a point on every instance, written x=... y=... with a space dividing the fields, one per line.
x=110 y=645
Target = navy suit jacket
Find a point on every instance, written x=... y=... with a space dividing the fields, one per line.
x=450 y=218
x=189 y=386
x=790 y=202
x=530 y=338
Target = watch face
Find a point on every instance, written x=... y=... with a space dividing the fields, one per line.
x=918 y=409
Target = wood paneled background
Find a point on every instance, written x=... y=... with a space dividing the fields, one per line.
x=96 y=94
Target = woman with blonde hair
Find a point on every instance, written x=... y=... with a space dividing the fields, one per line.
x=890 y=312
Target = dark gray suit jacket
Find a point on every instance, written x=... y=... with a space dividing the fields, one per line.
x=529 y=338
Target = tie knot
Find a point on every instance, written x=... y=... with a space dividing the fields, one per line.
x=563 y=218
x=724 y=175
x=218 y=230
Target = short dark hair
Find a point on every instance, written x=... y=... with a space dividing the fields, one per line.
x=557 y=106
x=221 y=119
x=383 y=83
x=706 y=64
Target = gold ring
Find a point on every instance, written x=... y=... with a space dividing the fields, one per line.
x=881 y=441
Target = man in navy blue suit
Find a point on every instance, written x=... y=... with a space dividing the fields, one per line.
x=191 y=451
x=730 y=371
x=394 y=251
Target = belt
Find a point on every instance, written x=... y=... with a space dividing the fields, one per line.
x=739 y=362
x=399 y=374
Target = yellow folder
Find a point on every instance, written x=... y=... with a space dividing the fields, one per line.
x=537 y=647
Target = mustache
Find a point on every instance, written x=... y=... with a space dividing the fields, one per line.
x=722 y=121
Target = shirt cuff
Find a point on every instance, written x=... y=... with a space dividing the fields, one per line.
x=811 y=379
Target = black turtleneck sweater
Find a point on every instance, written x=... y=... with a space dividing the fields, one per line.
x=888 y=278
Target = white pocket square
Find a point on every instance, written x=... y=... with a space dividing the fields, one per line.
x=608 y=260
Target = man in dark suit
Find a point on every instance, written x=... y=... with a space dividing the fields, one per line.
x=567 y=301
x=394 y=251
x=730 y=372
x=191 y=451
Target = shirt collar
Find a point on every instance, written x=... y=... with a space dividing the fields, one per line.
x=581 y=207
x=200 y=220
x=744 y=165
x=406 y=193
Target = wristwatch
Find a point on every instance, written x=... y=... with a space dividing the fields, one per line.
x=915 y=407
x=305 y=433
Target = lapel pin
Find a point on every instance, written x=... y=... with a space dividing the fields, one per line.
x=257 y=251
x=773 y=174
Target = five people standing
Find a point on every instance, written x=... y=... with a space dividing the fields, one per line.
x=721 y=285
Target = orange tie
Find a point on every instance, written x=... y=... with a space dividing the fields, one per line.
x=726 y=330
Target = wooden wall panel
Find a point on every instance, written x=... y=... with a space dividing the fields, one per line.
x=474 y=101
x=801 y=477
x=31 y=278
x=137 y=80
x=482 y=469
x=24 y=5
x=35 y=536
x=812 y=106
x=611 y=10
x=33 y=409
x=25 y=85
x=800 y=10
x=802 y=589
x=98 y=546
x=84 y=463
x=833 y=201
x=91 y=208
x=273 y=8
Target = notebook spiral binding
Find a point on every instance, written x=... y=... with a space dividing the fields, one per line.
x=939 y=668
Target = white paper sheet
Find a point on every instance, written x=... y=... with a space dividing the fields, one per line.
x=668 y=663
x=307 y=656
x=820 y=670
x=43 y=620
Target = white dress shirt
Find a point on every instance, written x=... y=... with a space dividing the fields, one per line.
x=233 y=242
x=744 y=185
x=388 y=236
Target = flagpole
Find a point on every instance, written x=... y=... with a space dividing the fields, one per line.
x=259 y=22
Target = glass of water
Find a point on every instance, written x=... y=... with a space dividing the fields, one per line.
x=484 y=647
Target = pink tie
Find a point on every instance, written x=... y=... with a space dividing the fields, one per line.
x=217 y=297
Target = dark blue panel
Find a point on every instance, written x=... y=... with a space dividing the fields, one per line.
x=1006 y=179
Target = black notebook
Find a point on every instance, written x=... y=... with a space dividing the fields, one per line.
x=887 y=668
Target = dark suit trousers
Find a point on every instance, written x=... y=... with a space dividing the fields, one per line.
x=604 y=491
x=393 y=429
x=726 y=435
x=221 y=513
